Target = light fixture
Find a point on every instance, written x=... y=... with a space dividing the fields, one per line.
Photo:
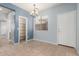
x=35 y=11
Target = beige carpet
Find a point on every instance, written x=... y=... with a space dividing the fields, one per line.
x=36 y=48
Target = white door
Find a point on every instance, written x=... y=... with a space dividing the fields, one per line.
x=66 y=28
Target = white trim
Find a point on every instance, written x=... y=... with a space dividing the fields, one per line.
x=9 y=23
x=26 y=28
x=45 y=41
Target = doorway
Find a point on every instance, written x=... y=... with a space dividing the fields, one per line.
x=66 y=29
x=23 y=26
x=6 y=26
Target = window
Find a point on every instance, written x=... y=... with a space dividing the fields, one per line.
x=41 y=23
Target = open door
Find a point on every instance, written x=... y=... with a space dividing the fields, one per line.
x=23 y=28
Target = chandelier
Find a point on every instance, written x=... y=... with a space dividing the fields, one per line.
x=35 y=11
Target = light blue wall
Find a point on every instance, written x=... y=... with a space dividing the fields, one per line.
x=20 y=12
x=51 y=35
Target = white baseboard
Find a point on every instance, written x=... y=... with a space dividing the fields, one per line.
x=38 y=40
x=46 y=41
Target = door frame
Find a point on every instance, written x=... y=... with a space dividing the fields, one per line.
x=10 y=28
x=26 y=29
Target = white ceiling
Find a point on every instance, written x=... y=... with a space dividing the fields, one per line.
x=29 y=6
